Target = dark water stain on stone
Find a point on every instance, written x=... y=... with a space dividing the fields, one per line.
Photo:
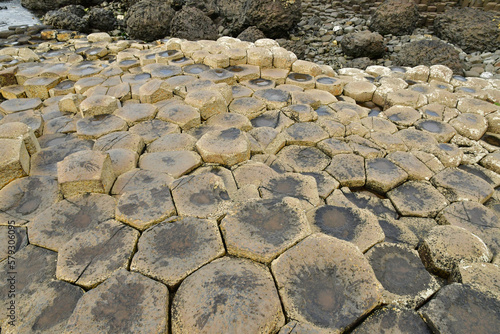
x=169 y=161
x=374 y=112
x=60 y=309
x=285 y=186
x=431 y=113
x=395 y=118
x=431 y=126
x=66 y=84
x=398 y=69
x=319 y=295
x=180 y=60
x=119 y=308
x=459 y=78
x=168 y=53
x=218 y=301
x=326 y=80
x=203 y=197
x=491 y=139
x=133 y=207
x=339 y=222
x=230 y=134
x=275 y=95
x=195 y=68
x=382 y=166
x=178 y=241
x=127 y=62
x=299 y=77
x=261 y=82
x=265 y=121
x=235 y=69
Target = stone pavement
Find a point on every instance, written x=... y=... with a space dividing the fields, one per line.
x=227 y=187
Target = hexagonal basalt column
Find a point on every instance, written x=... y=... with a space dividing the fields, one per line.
x=99 y=105
x=208 y=102
x=143 y=208
x=85 y=172
x=125 y=302
x=14 y=160
x=229 y=295
x=226 y=147
x=326 y=282
x=94 y=255
x=419 y=199
x=173 y=249
x=263 y=229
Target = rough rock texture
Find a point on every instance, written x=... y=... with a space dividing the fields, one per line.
x=102 y=19
x=471 y=29
x=363 y=44
x=251 y=34
x=192 y=24
x=43 y=6
x=69 y=17
x=430 y=52
x=274 y=17
x=149 y=20
x=397 y=17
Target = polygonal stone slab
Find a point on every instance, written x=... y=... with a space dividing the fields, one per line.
x=393 y=320
x=252 y=172
x=31 y=118
x=208 y=102
x=45 y=161
x=45 y=310
x=94 y=255
x=357 y=226
x=348 y=169
x=446 y=246
x=441 y=130
x=154 y=129
x=305 y=134
x=35 y=266
x=173 y=142
x=326 y=282
x=263 y=229
x=402 y=116
x=295 y=185
x=469 y=125
x=181 y=114
x=382 y=175
x=302 y=159
x=416 y=139
x=14 y=160
x=59 y=223
x=419 y=199
x=482 y=276
x=415 y=168
x=172 y=250
x=139 y=179
x=119 y=140
x=17 y=105
x=273 y=98
x=247 y=106
x=143 y=208
x=95 y=105
x=134 y=113
x=325 y=182
x=458 y=185
x=226 y=147
x=12 y=239
x=459 y=309
x=85 y=172
x=476 y=218
x=21 y=130
x=173 y=163
x=228 y=295
x=202 y=196
x=23 y=199
x=125 y=302
x=98 y=126
x=402 y=274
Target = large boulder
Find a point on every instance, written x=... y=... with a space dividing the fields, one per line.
x=251 y=34
x=273 y=17
x=149 y=20
x=363 y=44
x=70 y=18
x=208 y=7
x=102 y=19
x=190 y=23
x=44 y=6
x=430 y=52
x=471 y=29
x=396 y=17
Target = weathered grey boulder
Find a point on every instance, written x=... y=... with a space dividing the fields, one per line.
x=363 y=44
x=396 y=17
x=149 y=20
x=192 y=24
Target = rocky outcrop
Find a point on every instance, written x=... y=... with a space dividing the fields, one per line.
x=149 y=20
x=274 y=17
x=102 y=19
x=430 y=52
x=70 y=17
x=363 y=44
x=44 y=6
x=190 y=23
x=251 y=34
x=471 y=29
x=396 y=17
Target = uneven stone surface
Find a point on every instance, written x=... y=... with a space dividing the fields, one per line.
x=375 y=160
x=313 y=278
x=222 y=286
x=175 y=248
x=459 y=309
x=126 y=301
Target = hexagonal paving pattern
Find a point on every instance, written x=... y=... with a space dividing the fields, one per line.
x=216 y=160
